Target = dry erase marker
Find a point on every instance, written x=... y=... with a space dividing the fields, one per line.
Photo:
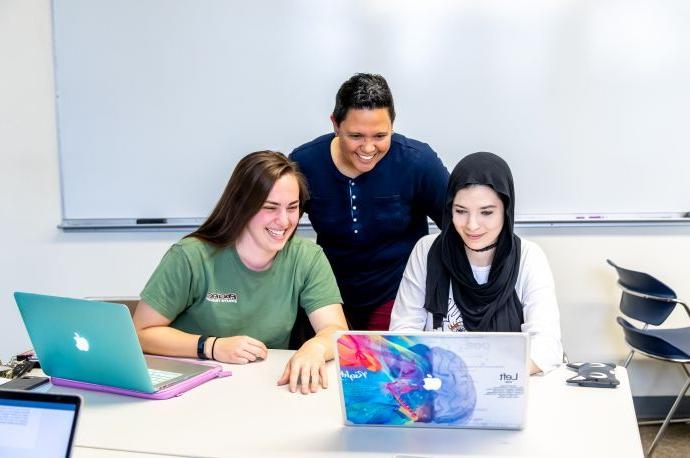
x=151 y=221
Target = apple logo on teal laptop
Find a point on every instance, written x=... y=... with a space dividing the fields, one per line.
x=81 y=343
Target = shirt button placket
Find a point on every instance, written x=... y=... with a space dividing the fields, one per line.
x=353 y=207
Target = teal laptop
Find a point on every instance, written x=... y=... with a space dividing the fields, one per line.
x=96 y=343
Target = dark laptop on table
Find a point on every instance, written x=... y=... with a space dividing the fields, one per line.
x=37 y=425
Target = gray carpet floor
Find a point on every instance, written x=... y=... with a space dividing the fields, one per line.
x=674 y=444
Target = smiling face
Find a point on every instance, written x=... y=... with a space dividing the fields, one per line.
x=363 y=138
x=478 y=216
x=270 y=228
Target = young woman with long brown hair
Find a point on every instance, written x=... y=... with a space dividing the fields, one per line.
x=231 y=289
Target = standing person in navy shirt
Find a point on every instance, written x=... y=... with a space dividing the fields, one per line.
x=371 y=193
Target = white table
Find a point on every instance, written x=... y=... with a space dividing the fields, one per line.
x=248 y=415
x=86 y=452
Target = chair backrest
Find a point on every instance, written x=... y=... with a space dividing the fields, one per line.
x=130 y=302
x=642 y=283
x=644 y=298
x=649 y=344
x=645 y=309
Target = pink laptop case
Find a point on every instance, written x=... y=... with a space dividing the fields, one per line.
x=178 y=389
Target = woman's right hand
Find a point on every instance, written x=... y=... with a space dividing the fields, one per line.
x=236 y=350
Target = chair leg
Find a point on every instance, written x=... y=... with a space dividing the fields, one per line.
x=629 y=358
x=667 y=420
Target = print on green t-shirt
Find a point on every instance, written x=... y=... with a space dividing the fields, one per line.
x=208 y=290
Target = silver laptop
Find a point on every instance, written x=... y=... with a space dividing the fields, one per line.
x=433 y=379
x=95 y=342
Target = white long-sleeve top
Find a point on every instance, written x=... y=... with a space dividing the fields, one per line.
x=535 y=289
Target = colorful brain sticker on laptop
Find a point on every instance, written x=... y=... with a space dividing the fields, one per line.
x=396 y=380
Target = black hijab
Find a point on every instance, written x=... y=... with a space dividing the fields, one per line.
x=493 y=306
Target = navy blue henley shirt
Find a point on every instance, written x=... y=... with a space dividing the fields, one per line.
x=368 y=225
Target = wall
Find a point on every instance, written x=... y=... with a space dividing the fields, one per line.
x=38 y=257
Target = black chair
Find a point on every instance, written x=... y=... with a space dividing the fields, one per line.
x=646 y=299
x=301 y=330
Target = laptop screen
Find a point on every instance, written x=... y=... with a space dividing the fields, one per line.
x=37 y=424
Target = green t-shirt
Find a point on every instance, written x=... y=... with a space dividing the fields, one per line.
x=206 y=290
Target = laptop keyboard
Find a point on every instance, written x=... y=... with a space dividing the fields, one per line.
x=158 y=377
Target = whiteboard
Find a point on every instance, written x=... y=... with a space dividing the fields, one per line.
x=158 y=99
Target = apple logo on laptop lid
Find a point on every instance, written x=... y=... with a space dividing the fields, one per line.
x=80 y=342
x=432 y=383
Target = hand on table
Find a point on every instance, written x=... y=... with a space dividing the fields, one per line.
x=238 y=350
x=533 y=368
x=307 y=367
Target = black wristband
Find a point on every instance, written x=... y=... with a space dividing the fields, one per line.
x=200 y=347
x=213 y=348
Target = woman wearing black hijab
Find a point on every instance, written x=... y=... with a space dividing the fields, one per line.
x=477 y=275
